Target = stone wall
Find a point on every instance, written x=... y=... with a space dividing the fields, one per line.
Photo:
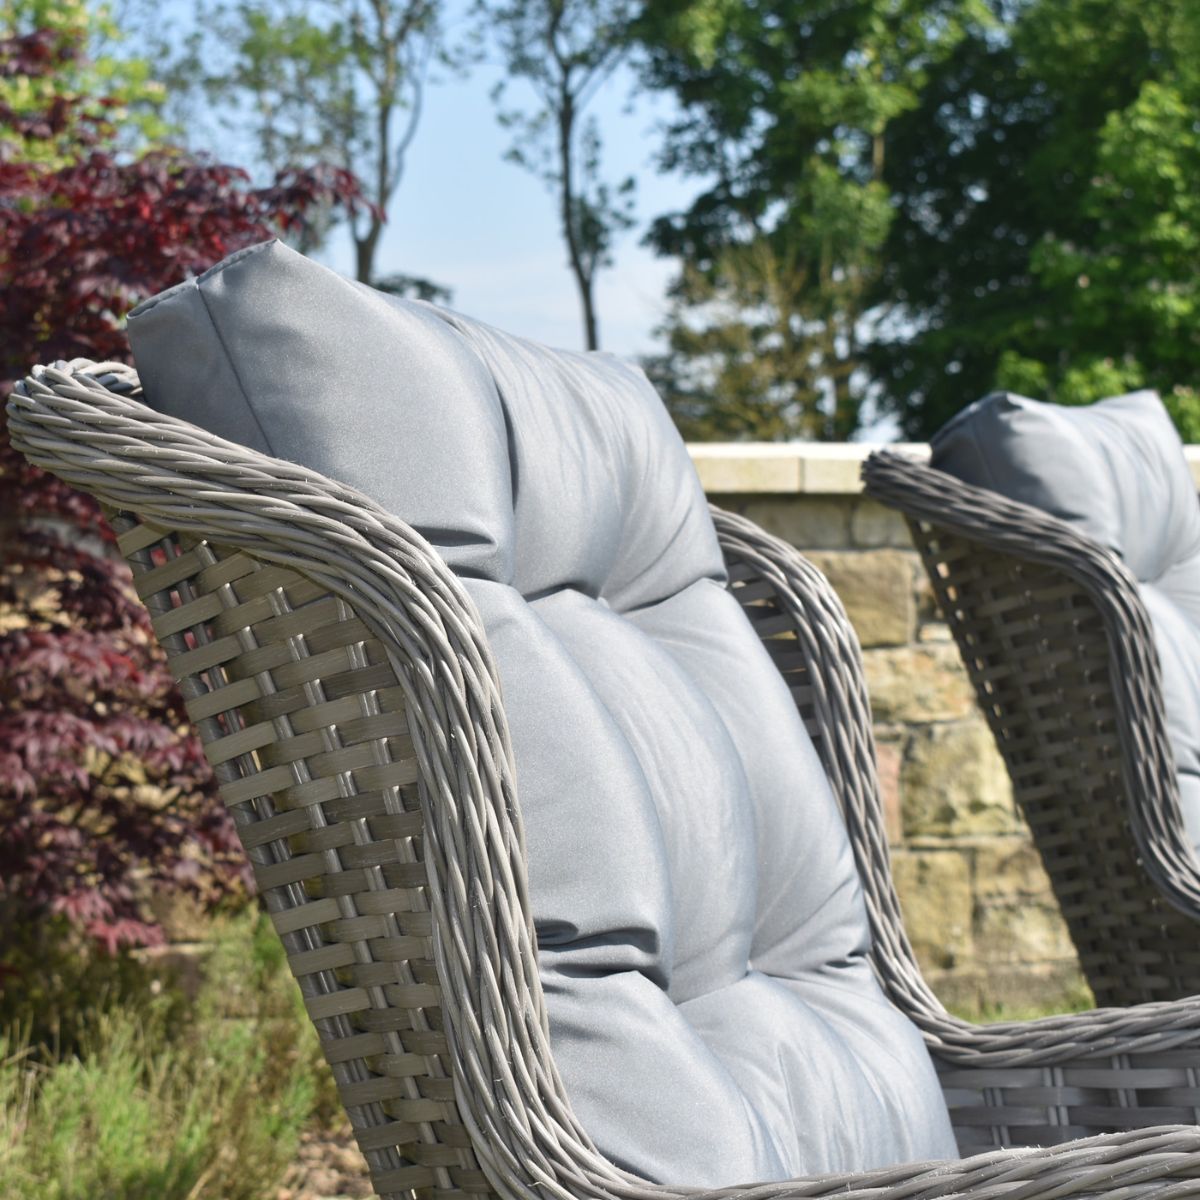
x=977 y=903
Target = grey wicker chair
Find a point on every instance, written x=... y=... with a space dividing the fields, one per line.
x=1059 y=647
x=347 y=701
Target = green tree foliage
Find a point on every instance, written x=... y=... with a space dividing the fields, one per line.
x=566 y=50
x=738 y=363
x=786 y=111
x=1048 y=226
x=132 y=99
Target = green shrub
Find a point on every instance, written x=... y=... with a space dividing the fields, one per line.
x=54 y=980
x=163 y=1101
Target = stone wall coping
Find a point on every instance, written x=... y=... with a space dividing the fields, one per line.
x=806 y=468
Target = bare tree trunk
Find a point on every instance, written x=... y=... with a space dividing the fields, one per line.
x=590 y=331
x=364 y=251
x=390 y=43
x=583 y=277
x=366 y=244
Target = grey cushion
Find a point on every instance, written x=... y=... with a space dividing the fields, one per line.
x=1116 y=471
x=701 y=929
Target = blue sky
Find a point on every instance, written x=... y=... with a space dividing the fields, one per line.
x=489 y=230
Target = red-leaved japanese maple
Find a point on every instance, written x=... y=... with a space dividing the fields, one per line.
x=105 y=798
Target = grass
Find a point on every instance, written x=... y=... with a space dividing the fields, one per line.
x=1076 y=998
x=162 y=1101
x=128 y=1091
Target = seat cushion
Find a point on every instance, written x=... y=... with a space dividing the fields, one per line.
x=701 y=931
x=1114 y=470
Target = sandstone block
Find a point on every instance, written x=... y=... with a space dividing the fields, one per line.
x=934 y=631
x=808 y=522
x=872 y=525
x=953 y=782
x=749 y=467
x=888 y=758
x=876 y=588
x=934 y=887
x=960 y=989
x=1022 y=933
x=928 y=608
x=1011 y=993
x=1010 y=869
x=917 y=684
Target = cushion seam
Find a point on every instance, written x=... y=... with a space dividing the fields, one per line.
x=460 y=326
x=233 y=368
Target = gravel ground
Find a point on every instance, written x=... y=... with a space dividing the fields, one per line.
x=328 y=1167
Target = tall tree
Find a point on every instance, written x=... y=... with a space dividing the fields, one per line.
x=1048 y=224
x=785 y=111
x=566 y=50
x=336 y=81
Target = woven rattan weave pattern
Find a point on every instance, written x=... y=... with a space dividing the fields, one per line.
x=1060 y=650
x=348 y=702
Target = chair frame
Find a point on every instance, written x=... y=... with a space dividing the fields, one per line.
x=346 y=697
x=1059 y=647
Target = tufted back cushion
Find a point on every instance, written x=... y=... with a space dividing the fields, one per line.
x=1116 y=471
x=701 y=932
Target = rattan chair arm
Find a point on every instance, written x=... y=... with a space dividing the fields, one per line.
x=789 y=600
x=1163 y=1027
x=1160 y=1162
x=507 y=1091
x=933 y=497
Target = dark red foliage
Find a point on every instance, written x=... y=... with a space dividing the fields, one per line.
x=105 y=797
x=81 y=245
x=35 y=56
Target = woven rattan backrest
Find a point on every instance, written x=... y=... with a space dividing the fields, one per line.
x=1054 y=638
x=303 y=720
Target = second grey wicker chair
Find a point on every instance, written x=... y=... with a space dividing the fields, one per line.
x=346 y=698
x=1059 y=647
